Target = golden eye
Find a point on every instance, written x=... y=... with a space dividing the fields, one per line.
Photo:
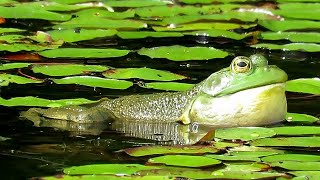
x=241 y=64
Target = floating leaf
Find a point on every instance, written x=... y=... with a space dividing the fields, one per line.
x=306 y=174
x=244 y=133
x=123 y=169
x=168 y=86
x=289 y=25
x=105 y=13
x=103 y=23
x=309 y=47
x=28 y=47
x=184 y=160
x=151 y=150
x=28 y=12
x=245 y=167
x=142 y=73
x=288 y=141
x=254 y=154
x=72 y=35
x=95 y=82
x=252 y=150
x=304 y=85
x=135 y=3
x=13 y=66
x=297 y=130
x=182 y=53
x=9 y=30
x=33 y=101
x=292 y=36
x=234 y=158
x=295 y=117
x=299 y=10
x=202 y=26
x=296 y=165
x=218 y=33
x=83 y=53
x=144 y=34
x=291 y=157
x=67 y=69
x=5 y=79
x=109 y=177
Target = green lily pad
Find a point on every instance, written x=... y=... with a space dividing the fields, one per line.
x=299 y=10
x=14 y=38
x=124 y=169
x=306 y=174
x=291 y=157
x=144 y=34
x=29 y=12
x=224 y=157
x=10 y=30
x=295 y=117
x=263 y=151
x=40 y=102
x=304 y=85
x=67 y=69
x=13 y=66
x=182 y=53
x=184 y=160
x=5 y=79
x=245 y=167
x=253 y=154
x=210 y=1
x=168 y=86
x=203 y=26
x=152 y=150
x=292 y=36
x=109 y=177
x=142 y=73
x=70 y=35
x=288 y=142
x=289 y=25
x=297 y=130
x=94 y=82
x=135 y=3
x=244 y=133
x=308 y=47
x=218 y=33
x=28 y=47
x=102 y=23
x=105 y=13
x=83 y=53
x=55 y=6
x=296 y=165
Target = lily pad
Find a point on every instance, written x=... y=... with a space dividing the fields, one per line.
x=306 y=174
x=203 y=26
x=124 y=169
x=95 y=82
x=295 y=117
x=109 y=177
x=285 y=25
x=29 y=12
x=144 y=34
x=14 y=38
x=218 y=33
x=297 y=130
x=299 y=10
x=304 y=85
x=28 y=47
x=102 y=23
x=13 y=66
x=142 y=73
x=83 y=53
x=182 y=53
x=135 y=3
x=291 y=157
x=288 y=142
x=152 y=150
x=40 y=102
x=67 y=69
x=97 y=12
x=296 y=165
x=224 y=157
x=244 y=133
x=5 y=79
x=184 y=160
x=72 y=35
x=9 y=30
x=292 y=36
x=168 y=86
x=308 y=47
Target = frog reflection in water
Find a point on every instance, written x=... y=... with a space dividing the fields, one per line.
x=248 y=93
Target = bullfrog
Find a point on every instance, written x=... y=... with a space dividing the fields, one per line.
x=249 y=92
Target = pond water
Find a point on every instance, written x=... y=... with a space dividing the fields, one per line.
x=44 y=151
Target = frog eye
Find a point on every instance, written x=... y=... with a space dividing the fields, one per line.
x=241 y=64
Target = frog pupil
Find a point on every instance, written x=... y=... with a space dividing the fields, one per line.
x=242 y=64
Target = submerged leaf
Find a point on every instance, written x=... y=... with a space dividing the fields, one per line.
x=184 y=160
x=83 y=53
x=182 y=53
x=151 y=150
x=244 y=133
x=306 y=85
x=67 y=69
x=93 y=81
x=142 y=73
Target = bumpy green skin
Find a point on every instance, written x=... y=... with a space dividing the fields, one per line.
x=176 y=106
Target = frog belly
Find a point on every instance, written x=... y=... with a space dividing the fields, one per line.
x=253 y=107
